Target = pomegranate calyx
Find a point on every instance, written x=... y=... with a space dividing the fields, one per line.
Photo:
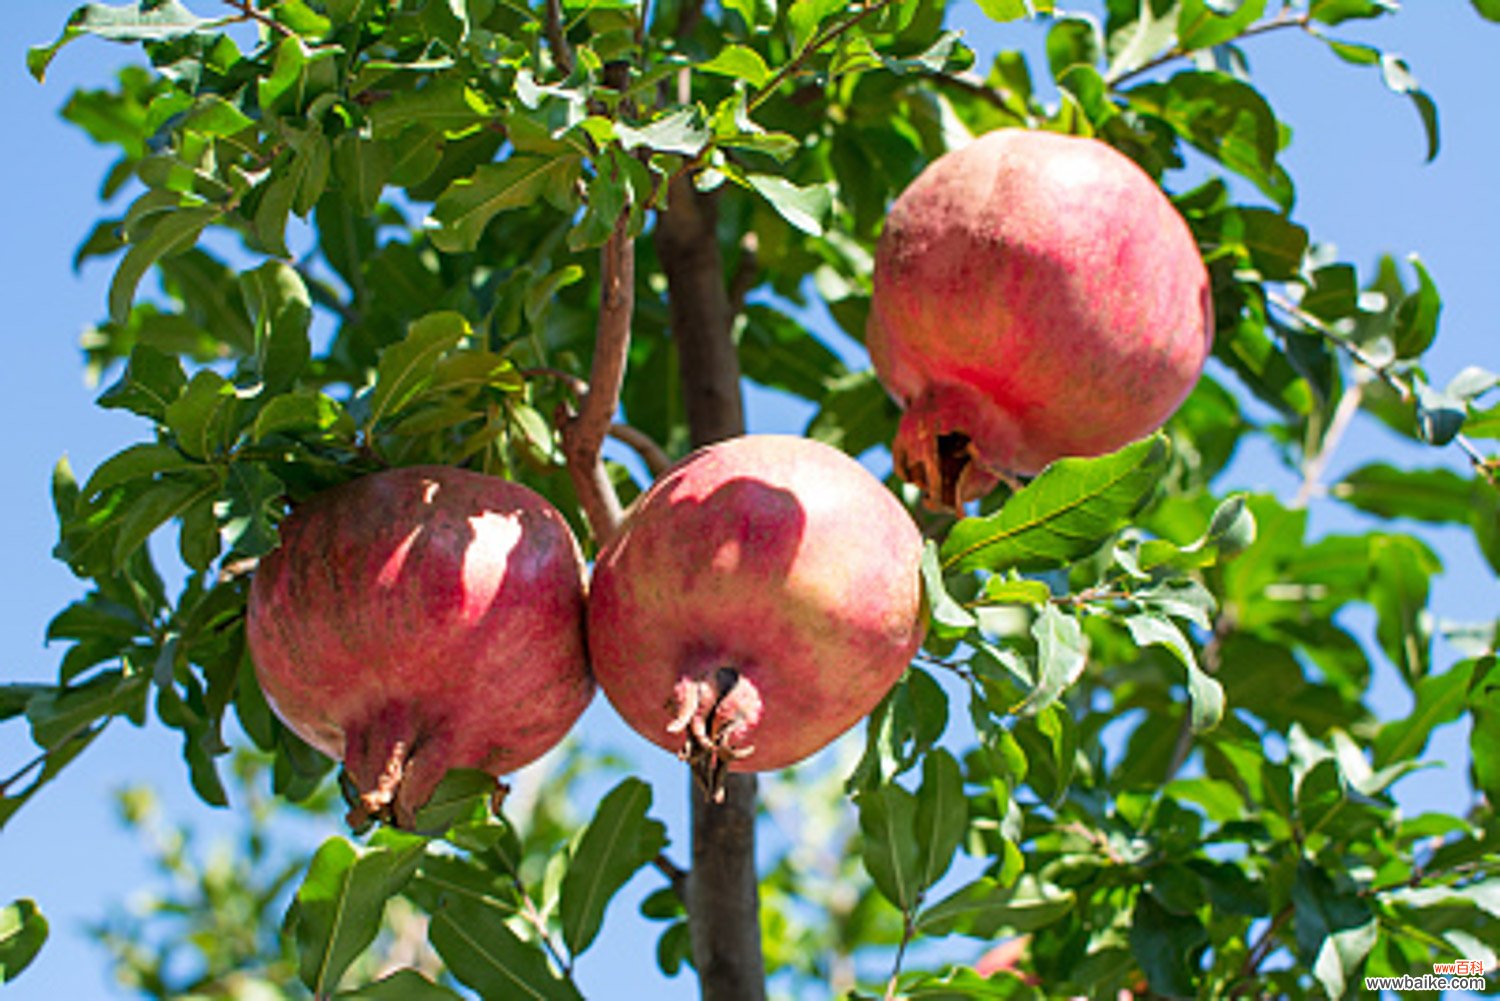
x=716 y=715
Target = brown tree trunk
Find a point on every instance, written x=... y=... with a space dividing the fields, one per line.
x=723 y=889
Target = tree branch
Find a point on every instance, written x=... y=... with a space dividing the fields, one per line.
x=557 y=39
x=583 y=433
x=687 y=244
x=1482 y=464
x=656 y=458
x=1260 y=950
x=723 y=900
x=1289 y=18
x=1313 y=467
x=813 y=44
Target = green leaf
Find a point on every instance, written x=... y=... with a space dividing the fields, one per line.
x=1167 y=946
x=1487 y=9
x=1440 y=698
x=281 y=308
x=303 y=413
x=135 y=462
x=944 y=610
x=779 y=352
x=805 y=207
x=1200 y=25
x=341 y=902
x=887 y=825
x=739 y=63
x=407 y=366
x=904 y=725
x=1484 y=703
x=446 y=105
x=1417 y=316
x=1225 y=118
x=1398 y=77
x=23 y=931
x=403 y=985
x=682 y=131
x=1338 y=11
x=1063 y=515
x=482 y=952
x=804 y=17
x=172 y=233
x=1436 y=496
x=1073 y=41
x=857 y=414
x=1004 y=10
x=1062 y=654
x=58 y=715
x=155 y=506
x=127 y=22
x=942 y=816
x=253 y=503
x=987 y=908
x=618 y=841
x=746 y=9
x=205 y=418
x=1400 y=570
x=462 y=794
x=1439 y=416
x=1207 y=695
x=1335 y=928
x=464 y=210
x=1000 y=590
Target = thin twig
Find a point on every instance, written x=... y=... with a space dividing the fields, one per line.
x=1288 y=18
x=1261 y=949
x=1403 y=390
x=818 y=40
x=676 y=875
x=1312 y=469
x=538 y=924
x=653 y=455
x=41 y=759
x=248 y=12
x=583 y=433
x=575 y=385
x=908 y=931
x=557 y=38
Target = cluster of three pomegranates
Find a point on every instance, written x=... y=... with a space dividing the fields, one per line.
x=1035 y=296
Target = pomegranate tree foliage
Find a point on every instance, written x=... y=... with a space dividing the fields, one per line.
x=1139 y=732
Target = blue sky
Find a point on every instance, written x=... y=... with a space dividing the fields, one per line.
x=1357 y=155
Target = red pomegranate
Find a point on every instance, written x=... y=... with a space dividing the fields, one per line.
x=418 y=620
x=1036 y=296
x=757 y=602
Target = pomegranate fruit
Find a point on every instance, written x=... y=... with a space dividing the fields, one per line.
x=758 y=601
x=1036 y=296
x=418 y=620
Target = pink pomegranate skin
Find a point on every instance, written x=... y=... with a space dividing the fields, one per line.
x=422 y=619
x=758 y=601
x=1036 y=296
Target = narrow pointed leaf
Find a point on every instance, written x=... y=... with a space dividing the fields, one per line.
x=1065 y=514
x=482 y=952
x=618 y=841
x=887 y=824
x=342 y=900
